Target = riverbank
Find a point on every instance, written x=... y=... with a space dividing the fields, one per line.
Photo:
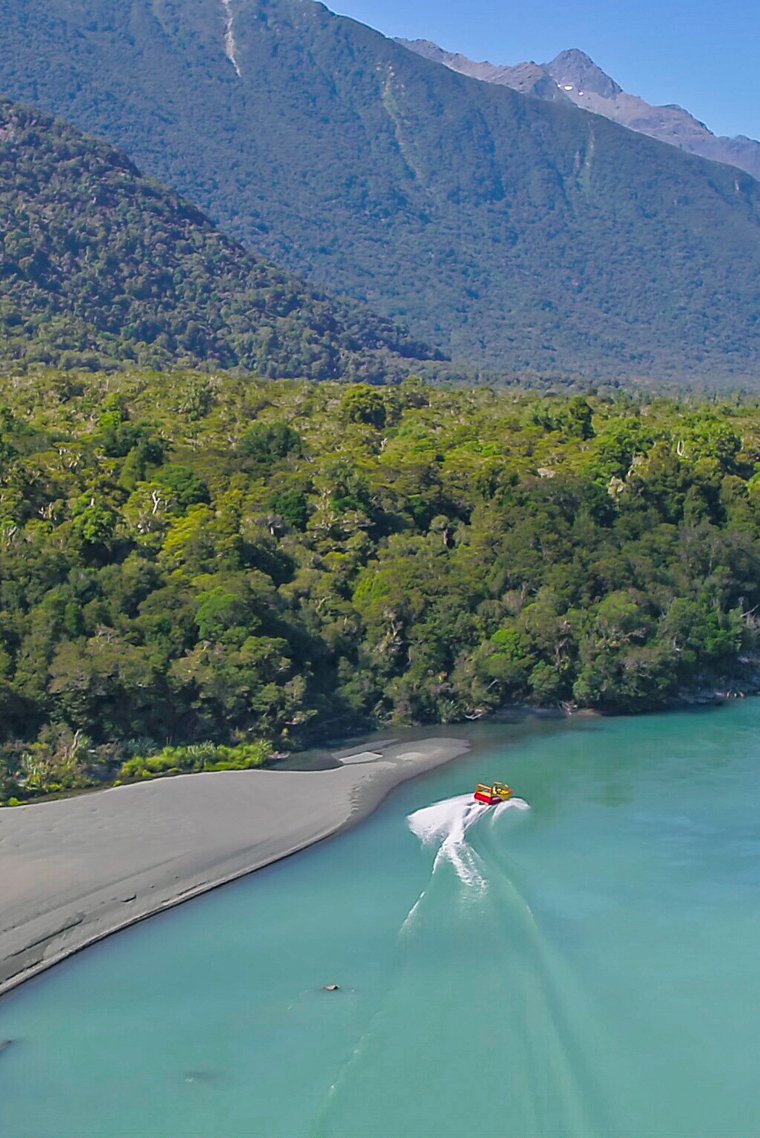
x=80 y=869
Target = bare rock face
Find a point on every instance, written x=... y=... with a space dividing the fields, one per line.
x=586 y=85
x=574 y=71
x=530 y=79
x=573 y=77
x=527 y=78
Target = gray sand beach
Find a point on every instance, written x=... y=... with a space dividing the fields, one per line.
x=76 y=870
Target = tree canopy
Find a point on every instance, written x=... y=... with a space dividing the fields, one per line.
x=102 y=268
x=194 y=566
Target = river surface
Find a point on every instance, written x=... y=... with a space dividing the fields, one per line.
x=585 y=968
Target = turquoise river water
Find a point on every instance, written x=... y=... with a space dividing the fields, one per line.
x=585 y=968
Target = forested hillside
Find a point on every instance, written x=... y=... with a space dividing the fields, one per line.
x=225 y=566
x=100 y=267
x=502 y=229
x=574 y=78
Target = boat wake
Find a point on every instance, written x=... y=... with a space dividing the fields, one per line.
x=446 y=823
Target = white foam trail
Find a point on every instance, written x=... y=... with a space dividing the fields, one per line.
x=411 y=916
x=446 y=824
x=510 y=804
x=444 y=819
x=465 y=862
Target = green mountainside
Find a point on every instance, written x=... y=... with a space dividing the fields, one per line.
x=100 y=267
x=507 y=231
x=574 y=78
x=195 y=570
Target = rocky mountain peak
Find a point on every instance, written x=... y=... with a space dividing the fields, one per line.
x=573 y=77
x=573 y=70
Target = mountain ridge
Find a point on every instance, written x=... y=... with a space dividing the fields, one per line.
x=573 y=77
x=100 y=267
x=516 y=234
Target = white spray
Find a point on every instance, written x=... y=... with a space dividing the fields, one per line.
x=447 y=823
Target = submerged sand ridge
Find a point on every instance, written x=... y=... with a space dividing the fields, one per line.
x=77 y=870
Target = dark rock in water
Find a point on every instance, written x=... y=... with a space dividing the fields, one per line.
x=331 y=988
x=5 y=1044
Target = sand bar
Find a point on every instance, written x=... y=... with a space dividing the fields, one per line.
x=77 y=870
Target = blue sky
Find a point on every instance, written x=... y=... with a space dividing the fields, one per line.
x=699 y=54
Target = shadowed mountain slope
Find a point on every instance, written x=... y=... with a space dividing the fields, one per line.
x=99 y=267
x=509 y=231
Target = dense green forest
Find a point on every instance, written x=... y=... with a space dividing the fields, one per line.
x=197 y=570
x=510 y=233
x=100 y=267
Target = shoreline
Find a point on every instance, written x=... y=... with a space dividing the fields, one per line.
x=72 y=865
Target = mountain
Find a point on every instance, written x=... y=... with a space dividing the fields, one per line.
x=99 y=266
x=512 y=232
x=574 y=78
x=527 y=78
